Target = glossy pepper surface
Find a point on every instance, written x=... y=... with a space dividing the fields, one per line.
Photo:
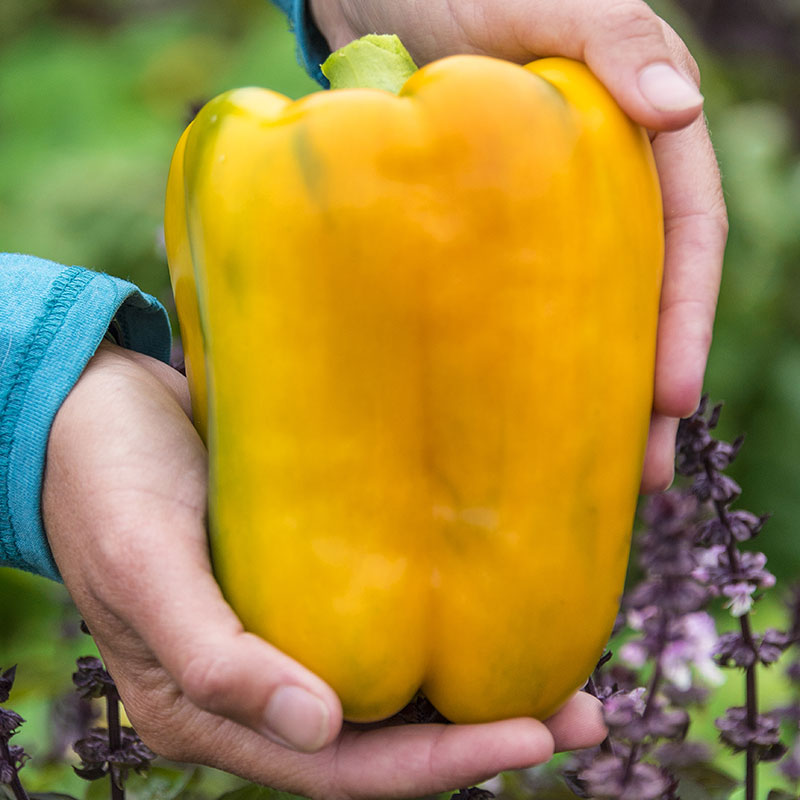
x=420 y=336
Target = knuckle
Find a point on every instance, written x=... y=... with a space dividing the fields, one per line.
x=632 y=21
x=690 y=66
x=680 y=53
x=207 y=680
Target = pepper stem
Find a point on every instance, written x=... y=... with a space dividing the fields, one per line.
x=375 y=61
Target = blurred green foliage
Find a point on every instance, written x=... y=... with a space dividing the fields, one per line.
x=751 y=81
x=91 y=106
x=93 y=97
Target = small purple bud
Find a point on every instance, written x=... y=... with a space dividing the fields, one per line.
x=6 y=682
x=737 y=733
x=745 y=525
x=772 y=645
x=608 y=777
x=740 y=597
x=92 y=680
x=9 y=722
x=731 y=649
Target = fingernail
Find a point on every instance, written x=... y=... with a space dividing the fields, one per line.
x=667 y=90
x=298 y=718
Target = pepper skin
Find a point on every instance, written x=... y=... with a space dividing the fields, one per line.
x=420 y=332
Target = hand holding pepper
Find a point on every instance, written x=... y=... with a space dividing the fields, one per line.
x=654 y=78
x=124 y=504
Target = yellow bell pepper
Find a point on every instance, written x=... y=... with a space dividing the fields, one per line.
x=420 y=334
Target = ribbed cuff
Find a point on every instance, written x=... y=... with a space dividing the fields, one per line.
x=46 y=357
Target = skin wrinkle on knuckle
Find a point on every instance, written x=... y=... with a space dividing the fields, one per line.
x=681 y=53
x=206 y=680
x=628 y=21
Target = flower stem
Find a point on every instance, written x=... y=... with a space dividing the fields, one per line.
x=655 y=681
x=606 y=746
x=16 y=786
x=752 y=711
x=114 y=741
x=751 y=689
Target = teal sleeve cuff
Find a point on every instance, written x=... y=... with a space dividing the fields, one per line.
x=312 y=48
x=52 y=318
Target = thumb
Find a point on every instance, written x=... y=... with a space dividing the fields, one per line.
x=644 y=64
x=218 y=666
x=123 y=501
x=636 y=55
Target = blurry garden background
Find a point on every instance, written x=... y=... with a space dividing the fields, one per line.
x=95 y=93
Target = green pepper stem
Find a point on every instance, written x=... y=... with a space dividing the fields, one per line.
x=375 y=61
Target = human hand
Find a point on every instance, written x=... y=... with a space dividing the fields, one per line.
x=124 y=503
x=650 y=72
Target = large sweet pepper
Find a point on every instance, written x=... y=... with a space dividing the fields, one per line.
x=420 y=334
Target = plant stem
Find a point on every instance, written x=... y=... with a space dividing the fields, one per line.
x=751 y=692
x=655 y=680
x=114 y=741
x=752 y=711
x=606 y=745
x=15 y=784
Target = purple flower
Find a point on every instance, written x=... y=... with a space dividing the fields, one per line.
x=623 y=709
x=737 y=581
x=10 y=768
x=610 y=776
x=9 y=722
x=98 y=759
x=693 y=638
x=92 y=680
x=6 y=682
x=632 y=718
x=764 y=735
x=716 y=487
x=740 y=597
x=733 y=650
x=682 y=643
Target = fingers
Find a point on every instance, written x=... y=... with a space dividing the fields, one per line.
x=176 y=607
x=696 y=230
x=630 y=49
x=394 y=762
x=578 y=724
x=659 y=460
x=414 y=760
x=643 y=64
x=124 y=504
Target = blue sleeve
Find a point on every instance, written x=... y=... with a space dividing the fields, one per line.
x=312 y=49
x=52 y=318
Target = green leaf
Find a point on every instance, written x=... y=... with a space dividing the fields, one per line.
x=159 y=783
x=50 y=796
x=253 y=792
x=98 y=790
x=780 y=794
x=705 y=782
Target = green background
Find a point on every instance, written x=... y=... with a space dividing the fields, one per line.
x=95 y=93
